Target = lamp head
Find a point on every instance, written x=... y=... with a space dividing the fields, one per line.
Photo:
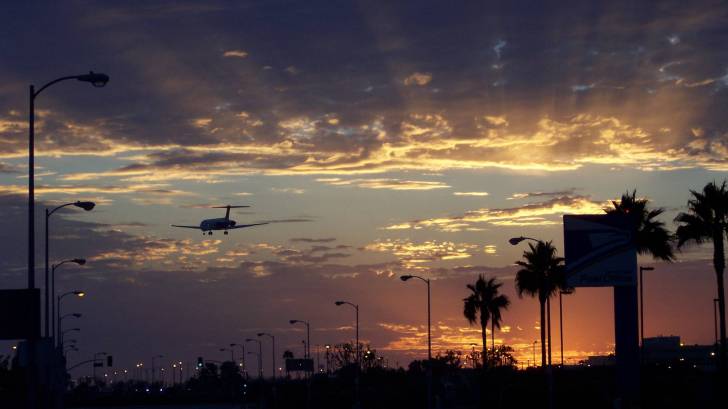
x=405 y=277
x=232 y=345
x=647 y=268
x=223 y=349
x=98 y=80
x=516 y=240
x=249 y=339
x=293 y=321
x=79 y=293
x=79 y=261
x=260 y=334
x=76 y=315
x=87 y=206
x=340 y=303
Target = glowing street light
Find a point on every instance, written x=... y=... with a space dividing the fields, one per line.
x=77 y=293
x=79 y=261
x=97 y=80
x=87 y=206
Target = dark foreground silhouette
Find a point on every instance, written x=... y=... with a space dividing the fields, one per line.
x=455 y=387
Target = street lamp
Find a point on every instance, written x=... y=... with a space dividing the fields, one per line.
x=257 y=354
x=260 y=355
x=356 y=308
x=358 y=350
x=63 y=334
x=87 y=206
x=307 y=350
x=153 y=372
x=273 y=354
x=97 y=80
x=429 y=337
x=77 y=293
x=232 y=353
x=242 y=346
x=561 y=321
x=80 y=262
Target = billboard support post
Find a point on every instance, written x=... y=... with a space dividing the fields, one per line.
x=600 y=252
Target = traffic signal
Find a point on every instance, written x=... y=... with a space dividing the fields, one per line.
x=200 y=363
x=109 y=361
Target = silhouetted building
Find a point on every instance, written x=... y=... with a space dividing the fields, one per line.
x=670 y=351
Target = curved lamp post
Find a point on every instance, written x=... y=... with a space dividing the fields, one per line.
x=273 y=354
x=77 y=293
x=79 y=261
x=257 y=354
x=87 y=206
x=154 y=374
x=97 y=80
x=429 y=337
x=358 y=350
x=63 y=333
x=308 y=335
x=260 y=355
x=242 y=346
x=73 y=315
x=232 y=353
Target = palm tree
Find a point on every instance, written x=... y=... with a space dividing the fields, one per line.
x=706 y=221
x=480 y=304
x=651 y=235
x=541 y=271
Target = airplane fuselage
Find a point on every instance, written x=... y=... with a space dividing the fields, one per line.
x=216 y=224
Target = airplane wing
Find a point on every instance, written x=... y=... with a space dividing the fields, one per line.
x=240 y=226
x=187 y=227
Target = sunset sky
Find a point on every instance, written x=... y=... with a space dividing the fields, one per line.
x=378 y=139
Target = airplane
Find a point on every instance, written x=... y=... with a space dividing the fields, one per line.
x=222 y=223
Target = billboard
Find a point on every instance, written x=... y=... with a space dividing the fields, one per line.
x=20 y=314
x=600 y=250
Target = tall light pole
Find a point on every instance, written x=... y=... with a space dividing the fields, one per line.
x=242 y=346
x=273 y=353
x=77 y=293
x=429 y=337
x=63 y=333
x=260 y=355
x=715 y=319
x=97 y=80
x=308 y=335
x=232 y=353
x=642 y=312
x=358 y=351
x=87 y=206
x=80 y=262
x=153 y=372
x=561 y=322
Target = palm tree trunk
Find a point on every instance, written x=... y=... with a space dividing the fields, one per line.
x=485 y=350
x=548 y=325
x=542 y=303
x=719 y=264
x=492 y=336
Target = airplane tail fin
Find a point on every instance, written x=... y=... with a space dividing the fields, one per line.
x=227 y=209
